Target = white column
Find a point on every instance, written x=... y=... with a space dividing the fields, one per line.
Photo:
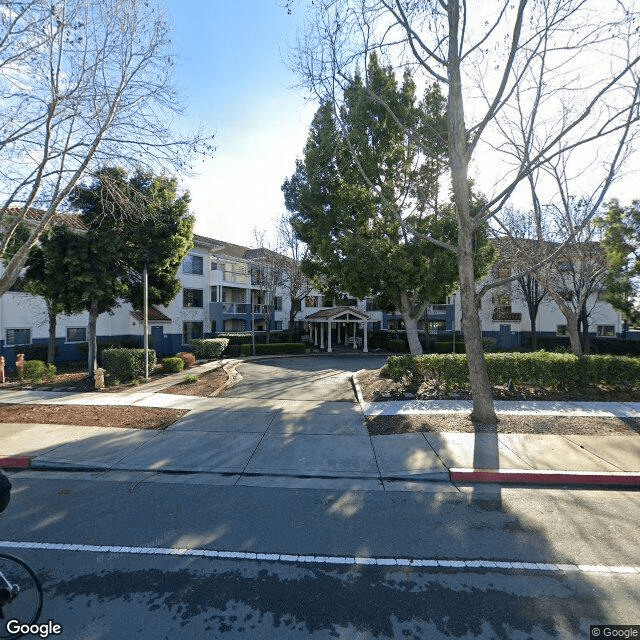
x=329 y=338
x=338 y=337
x=355 y=331
x=315 y=334
x=321 y=335
x=365 y=347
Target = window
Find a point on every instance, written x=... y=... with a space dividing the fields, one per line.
x=277 y=325
x=437 y=325
x=213 y=327
x=606 y=331
x=277 y=303
x=565 y=266
x=18 y=336
x=235 y=272
x=311 y=301
x=214 y=265
x=191 y=331
x=76 y=334
x=192 y=264
x=192 y=297
x=561 y=330
x=214 y=294
x=297 y=305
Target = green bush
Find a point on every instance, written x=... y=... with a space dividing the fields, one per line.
x=172 y=365
x=208 y=348
x=446 y=346
x=274 y=348
x=132 y=343
x=37 y=370
x=33 y=351
x=397 y=346
x=126 y=364
x=553 y=370
x=188 y=358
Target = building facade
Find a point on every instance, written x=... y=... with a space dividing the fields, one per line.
x=222 y=292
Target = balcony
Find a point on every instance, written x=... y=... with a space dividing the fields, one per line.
x=236 y=308
x=503 y=313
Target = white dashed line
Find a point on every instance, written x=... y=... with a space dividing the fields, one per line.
x=443 y=563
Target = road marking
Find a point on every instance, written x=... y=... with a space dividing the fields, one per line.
x=328 y=560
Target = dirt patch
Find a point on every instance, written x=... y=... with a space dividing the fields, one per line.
x=206 y=385
x=545 y=425
x=376 y=388
x=90 y=416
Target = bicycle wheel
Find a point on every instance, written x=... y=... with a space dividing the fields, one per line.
x=20 y=596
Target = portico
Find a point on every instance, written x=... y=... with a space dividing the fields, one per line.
x=345 y=321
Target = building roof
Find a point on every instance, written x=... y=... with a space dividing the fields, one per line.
x=155 y=315
x=334 y=313
x=72 y=220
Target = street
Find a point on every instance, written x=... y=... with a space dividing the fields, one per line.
x=139 y=590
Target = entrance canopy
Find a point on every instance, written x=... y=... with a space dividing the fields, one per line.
x=339 y=317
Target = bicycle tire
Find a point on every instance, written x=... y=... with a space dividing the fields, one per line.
x=28 y=609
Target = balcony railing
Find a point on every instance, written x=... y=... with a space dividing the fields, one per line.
x=236 y=307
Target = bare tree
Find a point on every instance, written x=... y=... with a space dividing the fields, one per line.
x=294 y=281
x=570 y=65
x=83 y=85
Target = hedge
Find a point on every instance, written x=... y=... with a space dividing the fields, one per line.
x=32 y=351
x=553 y=370
x=101 y=345
x=209 y=348
x=126 y=364
x=172 y=365
x=274 y=348
x=397 y=346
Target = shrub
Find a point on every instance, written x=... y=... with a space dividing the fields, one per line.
x=37 y=370
x=102 y=345
x=173 y=365
x=126 y=364
x=208 y=348
x=191 y=377
x=33 y=351
x=274 y=348
x=554 y=370
x=188 y=358
x=446 y=346
x=397 y=346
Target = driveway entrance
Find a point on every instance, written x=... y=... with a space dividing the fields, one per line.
x=320 y=378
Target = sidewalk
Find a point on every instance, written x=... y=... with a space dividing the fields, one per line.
x=317 y=444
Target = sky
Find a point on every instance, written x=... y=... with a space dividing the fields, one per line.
x=236 y=84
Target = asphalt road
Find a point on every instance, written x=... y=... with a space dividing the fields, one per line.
x=129 y=555
x=139 y=590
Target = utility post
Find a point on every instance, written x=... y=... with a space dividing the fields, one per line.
x=145 y=305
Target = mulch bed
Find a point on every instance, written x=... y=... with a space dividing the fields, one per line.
x=545 y=425
x=90 y=416
x=207 y=384
x=376 y=388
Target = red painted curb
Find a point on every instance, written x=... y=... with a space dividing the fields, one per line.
x=504 y=476
x=20 y=462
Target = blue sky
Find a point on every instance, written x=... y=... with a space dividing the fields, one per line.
x=236 y=84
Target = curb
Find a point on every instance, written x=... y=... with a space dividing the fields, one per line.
x=17 y=462
x=546 y=477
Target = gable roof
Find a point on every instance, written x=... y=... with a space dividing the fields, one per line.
x=71 y=220
x=335 y=313
x=155 y=315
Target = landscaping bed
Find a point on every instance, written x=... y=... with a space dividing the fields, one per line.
x=90 y=416
x=206 y=385
x=377 y=387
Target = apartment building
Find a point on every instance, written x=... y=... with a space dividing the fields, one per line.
x=222 y=292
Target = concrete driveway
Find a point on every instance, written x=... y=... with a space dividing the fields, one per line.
x=325 y=378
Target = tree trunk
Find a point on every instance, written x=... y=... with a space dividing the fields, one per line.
x=585 y=338
x=292 y=317
x=574 y=335
x=411 y=325
x=53 y=323
x=483 y=410
x=92 y=360
x=533 y=314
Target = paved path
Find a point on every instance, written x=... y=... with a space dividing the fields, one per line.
x=295 y=422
